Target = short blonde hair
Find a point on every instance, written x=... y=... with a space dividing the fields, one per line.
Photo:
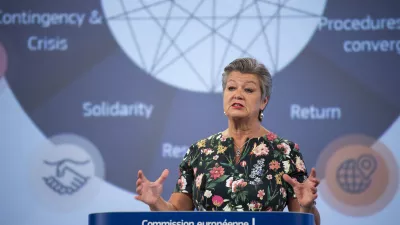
x=252 y=66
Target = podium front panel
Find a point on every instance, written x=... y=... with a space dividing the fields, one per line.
x=201 y=218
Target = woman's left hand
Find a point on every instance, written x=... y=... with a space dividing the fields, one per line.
x=305 y=192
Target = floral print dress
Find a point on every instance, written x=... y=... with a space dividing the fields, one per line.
x=211 y=176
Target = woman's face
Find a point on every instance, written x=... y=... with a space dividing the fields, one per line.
x=242 y=96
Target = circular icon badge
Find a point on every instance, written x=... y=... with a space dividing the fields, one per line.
x=361 y=175
x=66 y=172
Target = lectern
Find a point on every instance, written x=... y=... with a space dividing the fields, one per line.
x=201 y=218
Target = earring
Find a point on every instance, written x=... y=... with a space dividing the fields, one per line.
x=224 y=113
x=261 y=115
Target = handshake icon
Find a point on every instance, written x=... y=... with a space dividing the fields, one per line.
x=67 y=179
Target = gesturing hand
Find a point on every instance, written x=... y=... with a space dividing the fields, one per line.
x=306 y=192
x=149 y=192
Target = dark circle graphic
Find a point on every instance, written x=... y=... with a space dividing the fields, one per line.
x=138 y=121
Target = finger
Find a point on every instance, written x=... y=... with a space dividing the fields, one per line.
x=141 y=175
x=290 y=180
x=313 y=173
x=314 y=181
x=138 y=182
x=138 y=197
x=314 y=190
x=163 y=176
x=139 y=190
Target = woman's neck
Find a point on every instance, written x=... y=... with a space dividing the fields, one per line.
x=240 y=130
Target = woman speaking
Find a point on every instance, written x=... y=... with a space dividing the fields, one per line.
x=243 y=168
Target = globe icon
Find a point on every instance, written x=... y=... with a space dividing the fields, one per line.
x=354 y=175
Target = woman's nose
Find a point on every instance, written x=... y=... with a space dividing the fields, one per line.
x=238 y=95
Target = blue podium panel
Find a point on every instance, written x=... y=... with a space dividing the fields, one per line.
x=201 y=218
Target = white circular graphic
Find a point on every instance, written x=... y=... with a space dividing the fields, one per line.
x=66 y=172
x=187 y=44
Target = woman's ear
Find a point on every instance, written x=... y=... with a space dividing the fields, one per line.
x=264 y=103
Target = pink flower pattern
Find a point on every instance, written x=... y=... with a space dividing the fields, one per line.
x=217 y=200
x=238 y=184
x=271 y=136
x=260 y=150
x=261 y=194
x=217 y=172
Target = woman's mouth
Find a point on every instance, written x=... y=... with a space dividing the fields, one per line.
x=237 y=106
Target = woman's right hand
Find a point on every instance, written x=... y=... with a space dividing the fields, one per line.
x=150 y=192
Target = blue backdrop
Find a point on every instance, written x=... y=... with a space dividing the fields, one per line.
x=92 y=91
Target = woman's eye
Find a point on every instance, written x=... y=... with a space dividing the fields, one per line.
x=231 y=88
x=249 y=90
